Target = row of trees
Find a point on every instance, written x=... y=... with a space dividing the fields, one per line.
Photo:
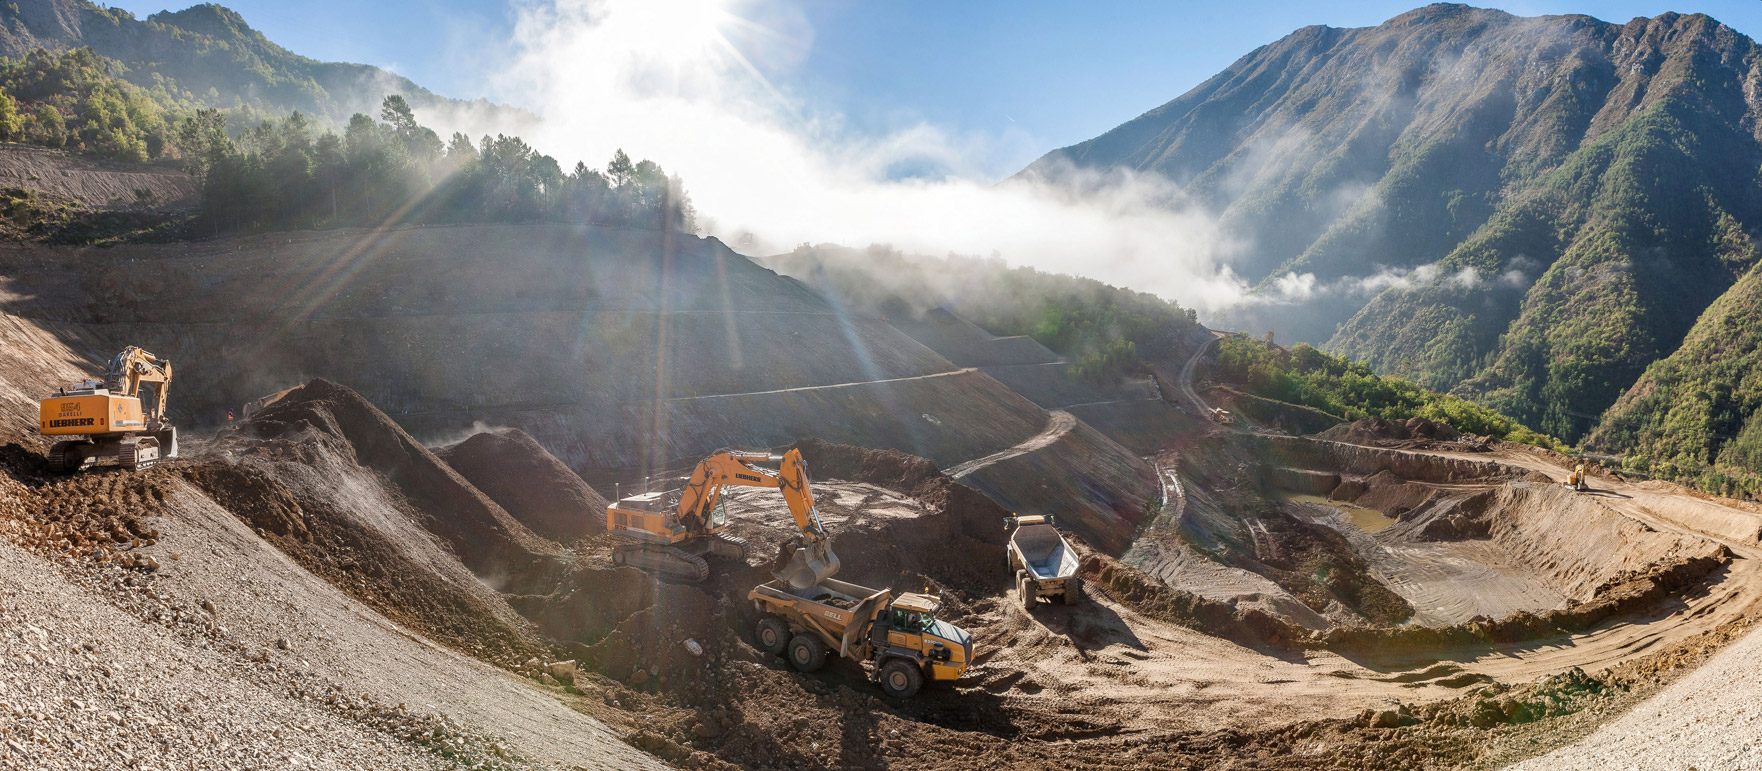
x=290 y=172
x=287 y=174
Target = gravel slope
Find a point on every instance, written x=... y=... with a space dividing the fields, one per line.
x=1710 y=719
x=231 y=655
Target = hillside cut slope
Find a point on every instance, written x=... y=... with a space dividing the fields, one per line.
x=1528 y=211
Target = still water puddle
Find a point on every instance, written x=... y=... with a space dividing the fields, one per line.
x=1368 y=520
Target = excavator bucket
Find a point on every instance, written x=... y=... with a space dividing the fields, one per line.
x=808 y=565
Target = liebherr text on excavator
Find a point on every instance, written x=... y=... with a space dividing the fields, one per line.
x=670 y=532
x=122 y=417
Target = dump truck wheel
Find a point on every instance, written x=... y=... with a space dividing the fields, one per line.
x=806 y=654
x=773 y=635
x=901 y=679
x=1026 y=590
x=1073 y=591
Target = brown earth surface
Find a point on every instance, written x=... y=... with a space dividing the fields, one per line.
x=528 y=482
x=1258 y=601
x=96 y=184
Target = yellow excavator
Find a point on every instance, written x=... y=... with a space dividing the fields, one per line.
x=1580 y=478
x=670 y=532
x=121 y=417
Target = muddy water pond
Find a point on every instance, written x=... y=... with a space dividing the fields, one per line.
x=1368 y=520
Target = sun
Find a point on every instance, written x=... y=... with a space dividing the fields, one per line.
x=676 y=32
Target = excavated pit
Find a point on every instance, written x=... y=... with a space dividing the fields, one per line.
x=1424 y=546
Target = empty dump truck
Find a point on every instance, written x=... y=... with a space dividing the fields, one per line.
x=898 y=637
x=1044 y=565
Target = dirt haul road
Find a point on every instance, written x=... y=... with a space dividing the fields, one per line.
x=1061 y=423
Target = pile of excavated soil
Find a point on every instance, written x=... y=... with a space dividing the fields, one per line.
x=529 y=483
x=331 y=482
x=483 y=535
x=224 y=654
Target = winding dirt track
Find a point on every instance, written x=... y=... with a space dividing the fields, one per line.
x=1059 y=424
x=962 y=371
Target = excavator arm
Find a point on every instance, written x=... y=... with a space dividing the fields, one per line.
x=131 y=368
x=810 y=564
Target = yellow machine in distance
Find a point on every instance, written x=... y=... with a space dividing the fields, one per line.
x=1579 y=479
x=671 y=532
x=122 y=417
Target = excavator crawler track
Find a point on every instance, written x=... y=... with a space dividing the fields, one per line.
x=664 y=560
x=61 y=453
x=728 y=546
x=139 y=454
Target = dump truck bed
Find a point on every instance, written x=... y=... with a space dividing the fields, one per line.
x=1044 y=552
x=830 y=603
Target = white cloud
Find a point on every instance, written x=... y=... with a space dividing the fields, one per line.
x=691 y=84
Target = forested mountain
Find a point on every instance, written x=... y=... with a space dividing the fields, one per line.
x=1528 y=212
x=208 y=55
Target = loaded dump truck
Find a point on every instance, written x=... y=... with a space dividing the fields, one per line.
x=1043 y=564
x=899 y=637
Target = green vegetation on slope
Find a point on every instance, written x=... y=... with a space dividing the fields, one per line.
x=394 y=171
x=1526 y=212
x=1106 y=331
x=1696 y=416
x=74 y=99
x=288 y=173
x=207 y=56
x=1334 y=384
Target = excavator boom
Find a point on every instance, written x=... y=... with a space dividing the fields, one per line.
x=697 y=516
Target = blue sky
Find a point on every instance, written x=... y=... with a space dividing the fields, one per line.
x=1022 y=77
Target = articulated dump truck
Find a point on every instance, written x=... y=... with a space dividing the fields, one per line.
x=899 y=638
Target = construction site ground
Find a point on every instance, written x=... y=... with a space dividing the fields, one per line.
x=343 y=569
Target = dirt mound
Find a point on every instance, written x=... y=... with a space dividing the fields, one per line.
x=1412 y=433
x=1140 y=592
x=484 y=536
x=529 y=483
x=280 y=501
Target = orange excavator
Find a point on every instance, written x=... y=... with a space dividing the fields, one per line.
x=671 y=532
x=121 y=417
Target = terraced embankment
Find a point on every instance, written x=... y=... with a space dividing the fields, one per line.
x=622 y=352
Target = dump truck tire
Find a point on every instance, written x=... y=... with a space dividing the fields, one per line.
x=901 y=679
x=1073 y=591
x=772 y=635
x=1027 y=591
x=806 y=654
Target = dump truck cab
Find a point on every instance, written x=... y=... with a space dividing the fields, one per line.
x=899 y=638
x=908 y=628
